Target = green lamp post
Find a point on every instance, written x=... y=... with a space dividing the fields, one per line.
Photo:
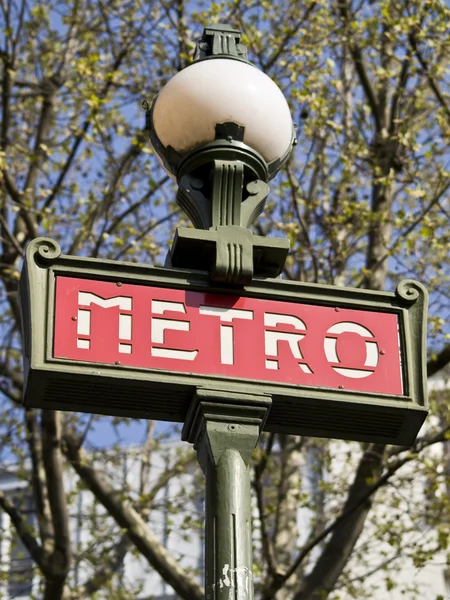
x=223 y=129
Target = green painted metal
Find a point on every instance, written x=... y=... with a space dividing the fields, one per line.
x=225 y=428
x=145 y=393
x=221 y=244
x=230 y=254
x=205 y=214
x=221 y=41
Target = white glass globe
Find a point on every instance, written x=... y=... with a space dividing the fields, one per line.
x=217 y=91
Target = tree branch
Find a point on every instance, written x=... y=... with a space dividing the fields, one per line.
x=403 y=234
x=117 y=220
x=120 y=172
x=144 y=475
x=23 y=531
x=106 y=571
x=52 y=458
x=16 y=196
x=138 y=531
x=11 y=237
x=431 y=81
x=396 y=96
x=49 y=87
x=258 y=470
x=346 y=532
x=165 y=476
x=38 y=480
x=360 y=67
x=281 y=46
x=438 y=361
x=364 y=496
x=142 y=235
x=108 y=197
x=295 y=190
x=84 y=129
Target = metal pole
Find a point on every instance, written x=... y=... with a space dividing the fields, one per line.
x=225 y=429
x=228 y=544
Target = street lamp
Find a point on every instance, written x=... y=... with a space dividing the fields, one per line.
x=223 y=129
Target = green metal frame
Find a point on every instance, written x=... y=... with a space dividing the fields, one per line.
x=64 y=385
x=222 y=191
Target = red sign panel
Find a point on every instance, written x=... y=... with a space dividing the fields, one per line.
x=200 y=333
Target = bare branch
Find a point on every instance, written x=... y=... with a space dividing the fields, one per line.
x=400 y=90
x=38 y=480
x=84 y=129
x=165 y=476
x=137 y=204
x=152 y=226
x=144 y=475
x=258 y=470
x=19 y=28
x=49 y=89
x=23 y=531
x=6 y=96
x=295 y=189
x=120 y=172
x=105 y=572
x=438 y=361
x=15 y=377
x=282 y=45
x=11 y=238
x=426 y=68
x=52 y=458
x=403 y=234
x=138 y=531
x=421 y=443
x=360 y=67
x=346 y=531
x=16 y=196
x=362 y=499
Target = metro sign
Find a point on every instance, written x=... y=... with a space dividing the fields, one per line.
x=131 y=340
x=232 y=336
